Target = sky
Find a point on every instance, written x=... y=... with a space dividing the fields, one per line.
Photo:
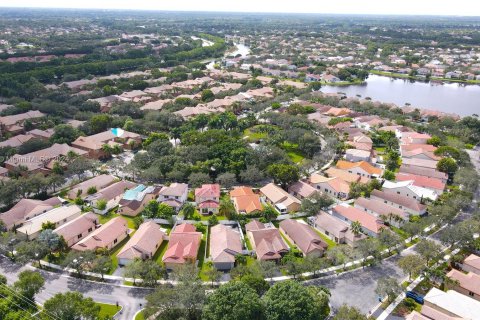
x=403 y=7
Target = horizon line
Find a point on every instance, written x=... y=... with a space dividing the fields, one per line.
x=241 y=12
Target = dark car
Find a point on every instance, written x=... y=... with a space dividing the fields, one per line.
x=415 y=296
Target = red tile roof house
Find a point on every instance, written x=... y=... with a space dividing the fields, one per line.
x=419 y=153
x=106 y=237
x=267 y=242
x=99 y=182
x=225 y=245
x=434 y=184
x=41 y=161
x=26 y=209
x=336 y=229
x=468 y=284
x=111 y=194
x=94 y=144
x=304 y=237
x=183 y=246
x=14 y=123
x=78 y=228
x=379 y=209
x=280 y=199
x=472 y=264
x=335 y=187
x=143 y=244
x=409 y=205
x=134 y=200
x=16 y=141
x=245 y=200
x=174 y=195
x=371 y=225
x=361 y=168
x=208 y=198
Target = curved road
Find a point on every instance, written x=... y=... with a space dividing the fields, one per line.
x=128 y=297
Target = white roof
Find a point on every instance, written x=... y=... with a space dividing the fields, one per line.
x=419 y=191
x=55 y=215
x=455 y=302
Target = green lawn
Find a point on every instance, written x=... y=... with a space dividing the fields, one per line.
x=115 y=251
x=287 y=241
x=247 y=243
x=293 y=152
x=201 y=259
x=107 y=310
x=109 y=216
x=329 y=241
x=160 y=252
x=400 y=232
x=139 y=316
x=254 y=136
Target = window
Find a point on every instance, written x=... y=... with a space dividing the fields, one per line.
x=401 y=207
x=90 y=230
x=115 y=241
x=64 y=220
x=398 y=192
x=471 y=294
x=79 y=236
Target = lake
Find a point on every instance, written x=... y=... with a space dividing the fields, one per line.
x=449 y=97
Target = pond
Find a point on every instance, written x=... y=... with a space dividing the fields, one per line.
x=448 y=97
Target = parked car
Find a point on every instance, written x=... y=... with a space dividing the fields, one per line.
x=415 y=296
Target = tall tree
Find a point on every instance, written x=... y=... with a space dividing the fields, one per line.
x=71 y=306
x=411 y=264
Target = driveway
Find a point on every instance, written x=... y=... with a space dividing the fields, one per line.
x=129 y=298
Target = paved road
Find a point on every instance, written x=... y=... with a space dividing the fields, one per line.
x=357 y=288
x=129 y=298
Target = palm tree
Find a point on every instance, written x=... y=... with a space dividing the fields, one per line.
x=356 y=228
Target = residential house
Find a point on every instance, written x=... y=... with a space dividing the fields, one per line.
x=78 y=228
x=245 y=200
x=419 y=153
x=225 y=244
x=174 y=195
x=183 y=246
x=429 y=173
x=42 y=161
x=472 y=264
x=467 y=284
x=421 y=163
x=58 y=216
x=302 y=190
x=304 y=237
x=116 y=137
x=355 y=155
x=143 y=244
x=406 y=188
x=371 y=225
x=16 y=141
x=14 y=124
x=134 y=200
x=105 y=237
x=267 y=242
x=280 y=199
x=336 y=229
x=97 y=183
x=408 y=204
x=338 y=112
x=415 y=138
x=25 y=210
x=379 y=209
x=450 y=305
x=111 y=195
x=433 y=184
x=362 y=168
x=348 y=177
x=208 y=198
x=335 y=187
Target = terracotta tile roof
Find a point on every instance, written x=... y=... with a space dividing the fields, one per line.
x=254 y=225
x=208 y=190
x=99 y=182
x=13 y=119
x=303 y=236
x=23 y=210
x=113 y=191
x=367 y=221
x=269 y=244
x=276 y=194
x=302 y=188
x=367 y=167
x=103 y=236
x=431 y=173
x=174 y=190
x=421 y=181
x=414 y=146
x=225 y=243
x=379 y=207
x=246 y=200
x=146 y=240
x=345 y=175
x=183 y=244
